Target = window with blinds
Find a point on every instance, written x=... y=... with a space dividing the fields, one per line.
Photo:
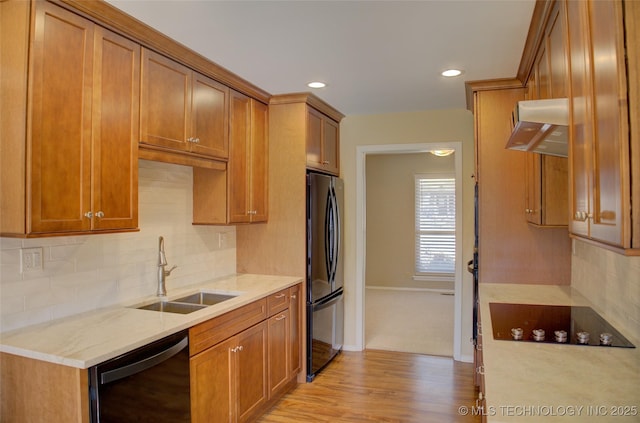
x=435 y=204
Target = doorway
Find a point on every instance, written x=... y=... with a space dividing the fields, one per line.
x=363 y=152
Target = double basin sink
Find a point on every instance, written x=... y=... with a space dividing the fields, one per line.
x=188 y=304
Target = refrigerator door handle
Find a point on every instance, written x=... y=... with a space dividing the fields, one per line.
x=336 y=235
x=327 y=302
x=328 y=250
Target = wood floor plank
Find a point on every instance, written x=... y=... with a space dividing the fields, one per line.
x=381 y=386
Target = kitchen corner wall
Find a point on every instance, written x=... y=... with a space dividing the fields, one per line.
x=83 y=273
x=611 y=282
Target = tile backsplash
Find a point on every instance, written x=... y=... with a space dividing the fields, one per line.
x=611 y=281
x=82 y=273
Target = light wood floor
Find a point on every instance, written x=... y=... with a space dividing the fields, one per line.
x=381 y=386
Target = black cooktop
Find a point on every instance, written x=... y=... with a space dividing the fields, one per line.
x=554 y=324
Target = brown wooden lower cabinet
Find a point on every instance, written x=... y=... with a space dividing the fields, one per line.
x=229 y=380
x=239 y=377
x=279 y=341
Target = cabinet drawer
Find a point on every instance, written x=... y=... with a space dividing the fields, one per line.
x=222 y=327
x=277 y=302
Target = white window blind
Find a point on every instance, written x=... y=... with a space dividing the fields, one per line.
x=435 y=225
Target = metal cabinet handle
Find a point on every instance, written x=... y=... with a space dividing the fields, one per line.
x=582 y=216
x=100 y=214
x=294 y=296
x=237 y=349
x=280 y=295
x=282 y=316
x=88 y=215
x=480 y=370
x=325 y=162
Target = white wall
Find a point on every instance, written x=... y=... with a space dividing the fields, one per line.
x=82 y=273
x=434 y=126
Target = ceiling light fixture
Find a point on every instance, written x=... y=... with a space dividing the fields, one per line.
x=451 y=73
x=442 y=153
x=316 y=84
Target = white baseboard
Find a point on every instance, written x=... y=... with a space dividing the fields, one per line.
x=393 y=288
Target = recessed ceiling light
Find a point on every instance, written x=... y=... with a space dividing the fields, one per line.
x=451 y=72
x=316 y=84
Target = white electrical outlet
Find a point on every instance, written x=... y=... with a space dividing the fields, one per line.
x=30 y=259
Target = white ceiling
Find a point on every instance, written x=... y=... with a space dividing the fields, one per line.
x=375 y=56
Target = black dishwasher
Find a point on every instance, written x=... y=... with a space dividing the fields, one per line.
x=149 y=384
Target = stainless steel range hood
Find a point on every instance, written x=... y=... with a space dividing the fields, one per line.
x=541 y=126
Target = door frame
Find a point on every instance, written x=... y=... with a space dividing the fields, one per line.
x=361 y=228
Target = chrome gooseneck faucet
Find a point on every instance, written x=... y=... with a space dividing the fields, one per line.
x=162 y=273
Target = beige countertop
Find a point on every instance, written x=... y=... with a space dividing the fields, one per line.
x=90 y=338
x=547 y=382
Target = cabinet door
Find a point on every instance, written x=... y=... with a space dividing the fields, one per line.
x=60 y=144
x=251 y=371
x=322 y=142
x=238 y=166
x=554 y=191
x=295 y=334
x=165 y=102
x=209 y=118
x=259 y=162
x=610 y=142
x=580 y=128
x=599 y=126
x=116 y=87
x=314 y=139
x=533 y=188
x=279 y=339
x=212 y=379
x=330 y=146
x=557 y=53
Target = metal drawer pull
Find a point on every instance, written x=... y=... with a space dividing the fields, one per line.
x=282 y=316
x=280 y=295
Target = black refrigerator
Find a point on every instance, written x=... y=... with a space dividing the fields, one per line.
x=325 y=271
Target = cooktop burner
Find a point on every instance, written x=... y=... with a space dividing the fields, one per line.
x=553 y=324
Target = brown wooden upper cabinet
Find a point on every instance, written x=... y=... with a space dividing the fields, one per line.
x=546 y=177
x=603 y=148
x=239 y=194
x=81 y=154
x=248 y=161
x=182 y=110
x=323 y=148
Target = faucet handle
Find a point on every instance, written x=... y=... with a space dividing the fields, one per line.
x=168 y=272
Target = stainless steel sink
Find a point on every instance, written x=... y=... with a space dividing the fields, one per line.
x=172 y=307
x=188 y=304
x=206 y=298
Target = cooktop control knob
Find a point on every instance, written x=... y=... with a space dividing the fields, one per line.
x=583 y=337
x=560 y=336
x=606 y=339
x=538 y=335
x=516 y=333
